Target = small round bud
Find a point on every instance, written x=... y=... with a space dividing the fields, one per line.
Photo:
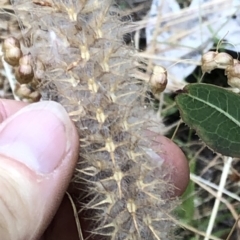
x=12 y=51
x=39 y=70
x=233 y=75
x=25 y=60
x=158 y=80
x=10 y=43
x=24 y=73
x=208 y=63
x=223 y=60
x=235 y=61
x=25 y=91
x=34 y=96
x=22 y=90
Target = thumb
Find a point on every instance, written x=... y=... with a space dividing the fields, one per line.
x=38 y=153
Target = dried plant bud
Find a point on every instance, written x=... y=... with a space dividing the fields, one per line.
x=223 y=60
x=212 y=60
x=34 y=83
x=235 y=61
x=158 y=80
x=24 y=73
x=39 y=70
x=208 y=63
x=34 y=96
x=12 y=51
x=10 y=43
x=25 y=91
x=233 y=75
x=22 y=90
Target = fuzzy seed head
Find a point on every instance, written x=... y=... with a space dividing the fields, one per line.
x=87 y=67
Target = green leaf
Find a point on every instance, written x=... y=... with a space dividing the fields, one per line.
x=214 y=113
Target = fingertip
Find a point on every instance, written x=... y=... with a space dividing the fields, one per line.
x=175 y=159
x=172 y=158
x=9 y=107
x=41 y=135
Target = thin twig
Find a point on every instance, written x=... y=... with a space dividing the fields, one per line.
x=11 y=78
x=76 y=217
x=226 y=169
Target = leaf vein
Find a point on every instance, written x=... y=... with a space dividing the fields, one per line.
x=218 y=109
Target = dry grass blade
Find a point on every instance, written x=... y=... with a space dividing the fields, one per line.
x=80 y=235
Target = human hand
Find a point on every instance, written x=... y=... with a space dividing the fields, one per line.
x=38 y=153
